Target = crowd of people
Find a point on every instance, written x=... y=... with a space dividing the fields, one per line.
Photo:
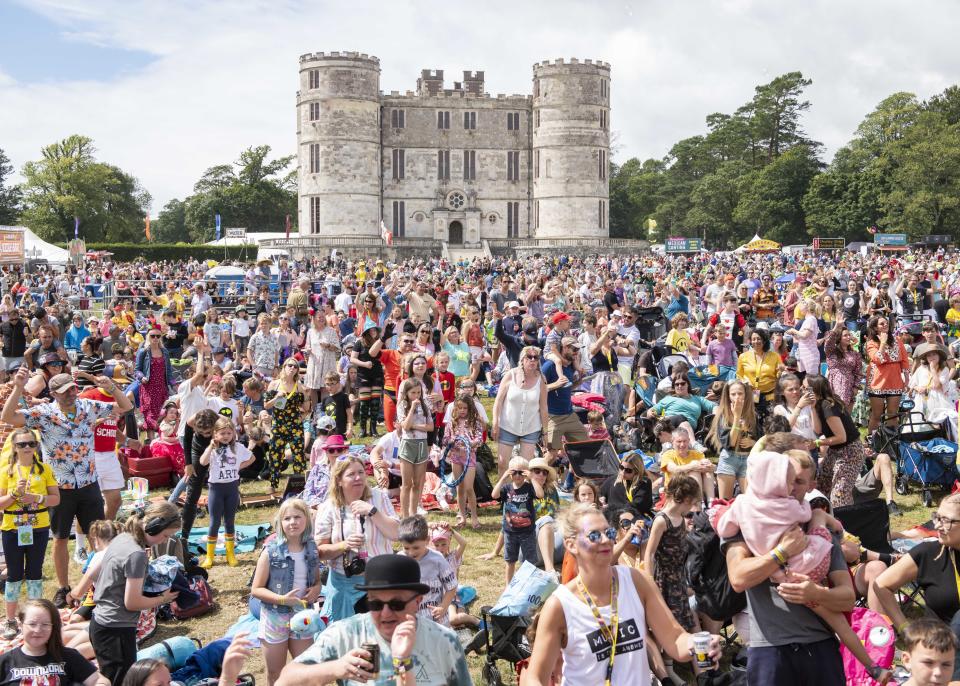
x=733 y=387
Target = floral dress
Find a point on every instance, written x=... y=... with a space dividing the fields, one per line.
x=287 y=432
x=669 y=564
x=844 y=369
x=154 y=393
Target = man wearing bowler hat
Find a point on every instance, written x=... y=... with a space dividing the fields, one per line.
x=413 y=650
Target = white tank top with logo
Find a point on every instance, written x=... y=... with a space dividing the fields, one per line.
x=587 y=653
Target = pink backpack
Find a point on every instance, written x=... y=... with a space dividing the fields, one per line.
x=879 y=639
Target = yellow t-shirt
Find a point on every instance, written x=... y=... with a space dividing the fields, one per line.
x=38 y=481
x=671 y=458
x=953 y=322
x=678 y=340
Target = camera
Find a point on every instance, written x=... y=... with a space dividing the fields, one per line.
x=356 y=566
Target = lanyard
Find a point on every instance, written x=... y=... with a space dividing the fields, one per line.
x=757 y=363
x=609 y=632
x=956 y=574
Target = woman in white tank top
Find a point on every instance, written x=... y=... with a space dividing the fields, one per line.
x=520 y=410
x=583 y=618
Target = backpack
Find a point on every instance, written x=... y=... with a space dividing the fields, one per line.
x=879 y=640
x=200 y=586
x=482 y=486
x=707 y=575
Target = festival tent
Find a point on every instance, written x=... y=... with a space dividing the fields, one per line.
x=759 y=245
x=35 y=248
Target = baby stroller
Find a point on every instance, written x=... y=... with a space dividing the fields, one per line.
x=506 y=640
x=665 y=364
x=923 y=454
x=652 y=323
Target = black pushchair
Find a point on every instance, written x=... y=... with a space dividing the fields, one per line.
x=652 y=323
x=595 y=460
x=506 y=640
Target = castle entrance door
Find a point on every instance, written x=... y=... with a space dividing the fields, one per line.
x=455 y=233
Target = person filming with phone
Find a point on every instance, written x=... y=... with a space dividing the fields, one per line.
x=388 y=644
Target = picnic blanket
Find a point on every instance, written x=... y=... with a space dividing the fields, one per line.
x=247 y=538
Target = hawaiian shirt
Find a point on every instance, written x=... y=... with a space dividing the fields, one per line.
x=265 y=350
x=67 y=441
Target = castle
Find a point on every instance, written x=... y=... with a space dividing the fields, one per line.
x=455 y=165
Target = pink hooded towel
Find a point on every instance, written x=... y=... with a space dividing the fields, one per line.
x=767 y=510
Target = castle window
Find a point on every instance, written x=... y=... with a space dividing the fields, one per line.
x=603 y=214
x=536 y=88
x=537 y=123
x=314 y=215
x=314 y=111
x=513 y=165
x=513 y=121
x=469 y=165
x=603 y=88
x=603 y=120
x=443 y=120
x=513 y=219
x=602 y=164
x=443 y=165
x=536 y=164
x=470 y=120
x=399 y=160
x=398 y=119
x=537 y=214
x=314 y=78
x=399 y=218
x=314 y=158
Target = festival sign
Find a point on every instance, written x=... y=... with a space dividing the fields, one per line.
x=679 y=244
x=829 y=243
x=11 y=245
x=892 y=240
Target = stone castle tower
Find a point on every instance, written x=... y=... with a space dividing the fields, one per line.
x=452 y=164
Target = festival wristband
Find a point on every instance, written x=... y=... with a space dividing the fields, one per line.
x=403 y=666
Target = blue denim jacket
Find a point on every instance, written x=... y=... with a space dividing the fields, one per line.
x=281 y=571
x=143 y=365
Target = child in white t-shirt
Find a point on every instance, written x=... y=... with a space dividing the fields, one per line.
x=225 y=458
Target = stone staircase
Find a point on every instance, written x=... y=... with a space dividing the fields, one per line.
x=456 y=253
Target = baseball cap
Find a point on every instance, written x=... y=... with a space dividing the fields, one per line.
x=560 y=317
x=61 y=383
x=512 y=303
x=570 y=341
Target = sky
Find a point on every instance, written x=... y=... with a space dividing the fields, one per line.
x=169 y=89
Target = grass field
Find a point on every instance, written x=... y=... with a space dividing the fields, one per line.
x=231 y=585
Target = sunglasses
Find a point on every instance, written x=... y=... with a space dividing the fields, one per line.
x=626 y=523
x=337 y=451
x=55 y=364
x=518 y=472
x=597 y=536
x=407 y=341
x=26 y=444
x=680 y=384
x=395 y=604
x=627 y=470
x=690 y=515
x=532 y=357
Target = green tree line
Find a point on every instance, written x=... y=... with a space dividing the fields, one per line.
x=756 y=172
x=68 y=182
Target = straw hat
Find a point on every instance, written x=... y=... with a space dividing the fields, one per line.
x=921 y=352
x=541 y=463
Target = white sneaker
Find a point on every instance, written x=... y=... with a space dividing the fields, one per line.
x=80 y=555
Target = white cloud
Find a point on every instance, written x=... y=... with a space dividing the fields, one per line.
x=225 y=74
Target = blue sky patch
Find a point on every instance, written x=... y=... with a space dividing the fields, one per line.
x=37 y=49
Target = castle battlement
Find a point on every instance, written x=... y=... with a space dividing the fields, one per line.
x=572 y=62
x=319 y=56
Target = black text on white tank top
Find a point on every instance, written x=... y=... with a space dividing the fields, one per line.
x=629 y=639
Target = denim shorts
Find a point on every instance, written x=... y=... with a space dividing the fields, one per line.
x=513 y=543
x=732 y=464
x=508 y=438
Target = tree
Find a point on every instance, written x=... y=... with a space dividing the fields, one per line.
x=774 y=115
x=925 y=184
x=68 y=182
x=253 y=193
x=772 y=202
x=714 y=201
x=633 y=196
x=10 y=196
x=171 y=225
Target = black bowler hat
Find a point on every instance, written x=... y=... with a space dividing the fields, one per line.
x=389 y=572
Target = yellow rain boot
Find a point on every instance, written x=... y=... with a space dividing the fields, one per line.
x=207 y=562
x=231 y=558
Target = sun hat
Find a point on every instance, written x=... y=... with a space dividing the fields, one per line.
x=541 y=463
